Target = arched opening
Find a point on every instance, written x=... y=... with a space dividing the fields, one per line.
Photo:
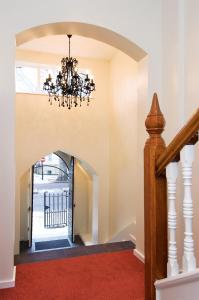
x=87 y=30
x=49 y=193
x=96 y=152
x=52 y=202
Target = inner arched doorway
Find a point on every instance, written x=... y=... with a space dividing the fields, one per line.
x=62 y=204
x=52 y=202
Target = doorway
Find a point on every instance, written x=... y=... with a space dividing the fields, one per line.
x=52 y=202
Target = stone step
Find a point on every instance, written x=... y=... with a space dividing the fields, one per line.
x=73 y=252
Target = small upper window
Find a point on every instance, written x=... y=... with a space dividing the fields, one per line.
x=30 y=78
x=26 y=79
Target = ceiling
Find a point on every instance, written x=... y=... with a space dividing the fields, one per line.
x=80 y=46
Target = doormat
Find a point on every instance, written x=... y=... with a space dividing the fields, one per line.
x=46 y=245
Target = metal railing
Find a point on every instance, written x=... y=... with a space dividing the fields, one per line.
x=55 y=209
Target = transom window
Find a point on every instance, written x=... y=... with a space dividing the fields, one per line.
x=29 y=78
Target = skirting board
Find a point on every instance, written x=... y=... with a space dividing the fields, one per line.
x=139 y=255
x=133 y=238
x=5 y=284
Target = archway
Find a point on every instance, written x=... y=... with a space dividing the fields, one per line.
x=90 y=31
x=87 y=30
x=140 y=24
x=57 y=209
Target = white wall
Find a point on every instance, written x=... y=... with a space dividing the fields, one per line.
x=192 y=95
x=123 y=142
x=181 y=90
x=138 y=21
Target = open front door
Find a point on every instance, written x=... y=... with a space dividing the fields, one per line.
x=30 y=205
x=71 y=202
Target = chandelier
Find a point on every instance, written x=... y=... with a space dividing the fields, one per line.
x=69 y=88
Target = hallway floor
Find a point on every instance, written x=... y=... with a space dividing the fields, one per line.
x=108 y=275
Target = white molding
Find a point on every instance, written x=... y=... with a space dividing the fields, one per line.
x=132 y=238
x=139 y=255
x=4 y=284
x=178 y=279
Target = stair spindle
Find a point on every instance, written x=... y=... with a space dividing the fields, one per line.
x=172 y=173
x=187 y=157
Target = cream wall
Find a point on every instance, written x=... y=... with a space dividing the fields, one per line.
x=121 y=138
x=123 y=142
x=25 y=200
x=83 y=132
x=83 y=203
x=138 y=21
x=142 y=109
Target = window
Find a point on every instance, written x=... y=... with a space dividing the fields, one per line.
x=26 y=79
x=30 y=78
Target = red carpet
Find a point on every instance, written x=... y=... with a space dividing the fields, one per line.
x=107 y=276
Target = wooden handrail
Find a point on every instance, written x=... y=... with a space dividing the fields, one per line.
x=183 y=138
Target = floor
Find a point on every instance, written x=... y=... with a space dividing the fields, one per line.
x=26 y=257
x=109 y=274
x=25 y=250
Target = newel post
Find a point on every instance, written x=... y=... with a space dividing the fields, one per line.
x=155 y=203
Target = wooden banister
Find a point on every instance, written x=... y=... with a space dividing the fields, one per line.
x=155 y=203
x=156 y=158
x=184 y=136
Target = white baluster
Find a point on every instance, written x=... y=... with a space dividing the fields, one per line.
x=172 y=173
x=187 y=157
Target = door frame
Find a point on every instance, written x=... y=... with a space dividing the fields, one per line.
x=32 y=196
x=30 y=209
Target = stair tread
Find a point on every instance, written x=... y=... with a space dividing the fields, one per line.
x=72 y=252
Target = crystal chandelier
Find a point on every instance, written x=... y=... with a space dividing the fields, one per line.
x=69 y=88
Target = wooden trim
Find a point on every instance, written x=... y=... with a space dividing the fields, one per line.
x=187 y=135
x=155 y=203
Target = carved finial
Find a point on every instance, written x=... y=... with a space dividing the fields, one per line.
x=155 y=121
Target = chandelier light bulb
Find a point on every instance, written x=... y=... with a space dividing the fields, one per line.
x=69 y=88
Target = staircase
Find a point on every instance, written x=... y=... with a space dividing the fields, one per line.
x=164 y=278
